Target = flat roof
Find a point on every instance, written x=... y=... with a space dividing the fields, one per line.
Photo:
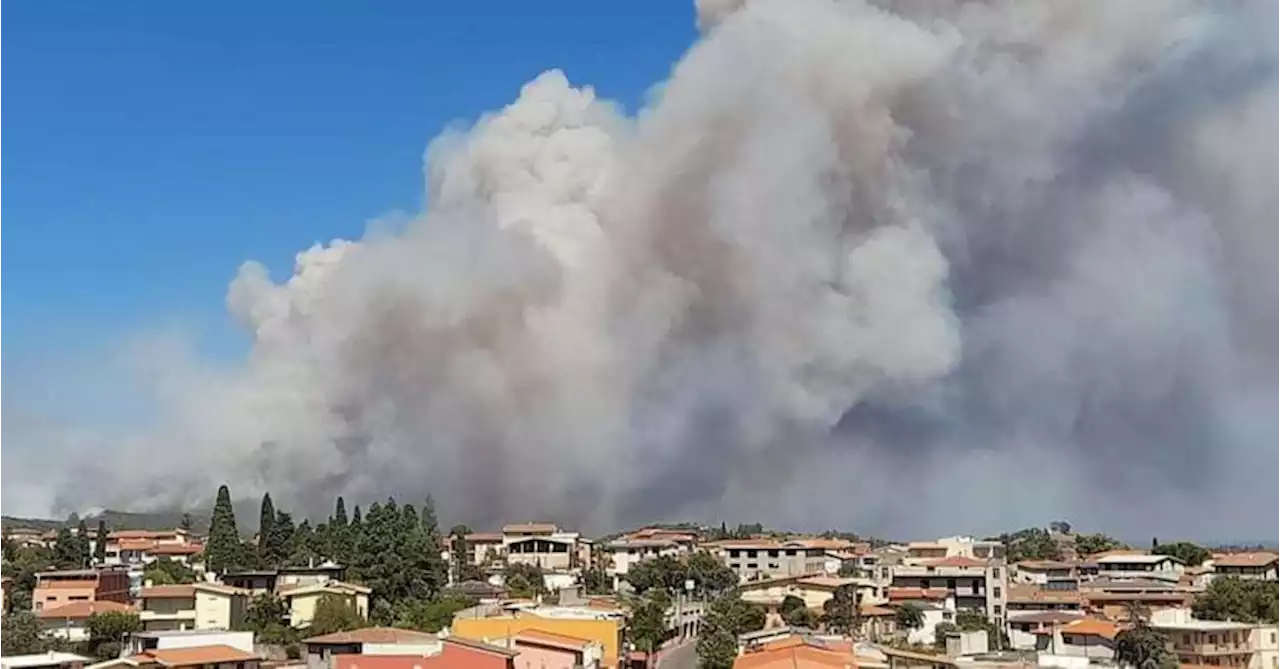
x=43 y=659
x=1205 y=625
x=1135 y=559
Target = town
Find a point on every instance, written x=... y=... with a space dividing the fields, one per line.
x=386 y=587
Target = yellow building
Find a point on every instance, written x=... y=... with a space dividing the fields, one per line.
x=195 y=606
x=302 y=600
x=607 y=631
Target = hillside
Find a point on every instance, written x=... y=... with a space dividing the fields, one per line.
x=117 y=520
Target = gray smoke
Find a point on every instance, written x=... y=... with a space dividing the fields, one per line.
x=910 y=266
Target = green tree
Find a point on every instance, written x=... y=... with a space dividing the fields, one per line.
x=710 y=575
x=25 y=563
x=458 y=550
x=664 y=572
x=334 y=614
x=1232 y=598
x=223 y=551
x=282 y=531
x=430 y=564
x=1032 y=543
x=1144 y=648
x=185 y=524
x=431 y=615
x=648 y=625
x=840 y=613
x=796 y=613
x=1192 y=555
x=164 y=571
x=726 y=618
x=107 y=632
x=1060 y=526
x=1090 y=544
x=100 y=543
x=909 y=617
x=266 y=523
x=849 y=569
x=66 y=549
x=523 y=580
x=84 y=547
x=304 y=545
x=21 y=634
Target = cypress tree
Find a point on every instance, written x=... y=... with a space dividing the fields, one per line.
x=83 y=553
x=223 y=550
x=266 y=524
x=340 y=513
x=100 y=544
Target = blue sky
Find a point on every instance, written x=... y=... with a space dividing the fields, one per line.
x=150 y=148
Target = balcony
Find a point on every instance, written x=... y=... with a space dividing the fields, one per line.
x=1212 y=648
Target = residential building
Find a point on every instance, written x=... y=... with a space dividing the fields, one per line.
x=59 y=588
x=1024 y=599
x=1050 y=574
x=545 y=650
x=1091 y=638
x=976 y=549
x=483 y=547
x=975 y=585
x=138 y=547
x=814 y=590
x=69 y=620
x=604 y=627
x=1162 y=567
x=1215 y=642
x=273 y=581
x=1260 y=566
x=1024 y=628
x=141 y=642
x=301 y=600
x=541 y=544
x=1115 y=597
x=628 y=550
x=756 y=559
x=195 y=606
x=369 y=641
x=453 y=653
x=50 y=660
x=802 y=649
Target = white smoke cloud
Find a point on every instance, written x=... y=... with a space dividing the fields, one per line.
x=962 y=243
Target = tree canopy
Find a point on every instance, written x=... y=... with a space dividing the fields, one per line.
x=909 y=616
x=1192 y=555
x=334 y=614
x=666 y=572
x=1144 y=648
x=1089 y=544
x=223 y=551
x=1239 y=600
x=726 y=618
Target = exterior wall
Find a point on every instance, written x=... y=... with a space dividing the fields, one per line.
x=218 y=611
x=541 y=657
x=238 y=640
x=302 y=607
x=607 y=633
x=167 y=613
x=62 y=593
x=1077 y=645
x=976 y=588
x=773 y=561
x=1266 y=652
x=1267 y=573
x=1223 y=646
x=1165 y=570
x=932 y=618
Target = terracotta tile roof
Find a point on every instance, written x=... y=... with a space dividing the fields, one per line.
x=904 y=594
x=1117 y=553
x=954 y=561
x=745 y=543
x=817 y=542
x=1246 y=560
x=485 y=537
x=141 y=534
x=81 y=610
x=796 y=657
x=832 y=582
x=373 y=635
x=195 y=655
x=1088 y=627
x=176 y=549
x=222 y=589
x=75 y=584
x=167 y=591
x=553 y=639
x=136 y=544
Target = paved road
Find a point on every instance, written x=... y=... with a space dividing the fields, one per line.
x=680 y=656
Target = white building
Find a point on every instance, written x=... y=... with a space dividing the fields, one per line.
x=1162 y=567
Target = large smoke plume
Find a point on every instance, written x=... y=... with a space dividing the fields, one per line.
x=905 y=265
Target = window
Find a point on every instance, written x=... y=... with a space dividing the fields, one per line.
x=951 y=584
x=1273 y=637
x=996 y=609
x=995 y=592
x=751 y=554
x=1213 y=638
x=924 y=583
x=734 y=553
x=752 y=565
x=79 y=598
x=773 y=554
x=995 y=572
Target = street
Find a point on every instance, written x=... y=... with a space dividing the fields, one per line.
x=679 y=656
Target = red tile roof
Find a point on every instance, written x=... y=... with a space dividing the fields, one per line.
x=904 y=594
x=194 y=656
x=1088 y=627
x=553 y=639
x=1246 y=560
x=167 y=591
x=81 y=610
